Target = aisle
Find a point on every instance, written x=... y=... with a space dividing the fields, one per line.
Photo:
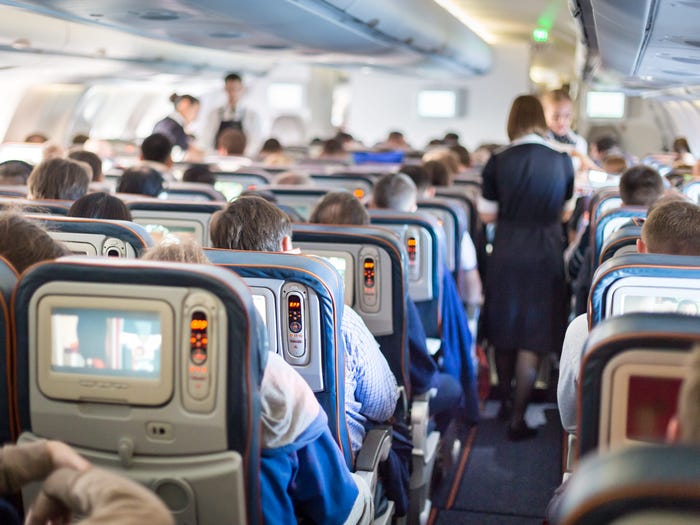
x=501 y=482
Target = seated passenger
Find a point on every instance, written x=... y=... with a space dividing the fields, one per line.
x=672 y=228
x=92 y=160
x=140 y=180
x=61 y=179
x=253 y=224
x=342 y=207
x=269 y=147
x=293 y=178
x=302 y=469
x=231 y=142
x=14 y=172
x=100 y=205
x=72 y=487
x=156 y=153
x=396 y=191
x=639 y=186
x=395 y=141
x=199 y=173
x=23 y=242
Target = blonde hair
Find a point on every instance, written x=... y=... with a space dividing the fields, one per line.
x=186 y=251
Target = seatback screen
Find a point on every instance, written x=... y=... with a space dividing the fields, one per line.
x=171 y=234
x=111 y=343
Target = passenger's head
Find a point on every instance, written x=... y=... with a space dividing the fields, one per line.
x=251 y=223
x=141 y=180
x=482 y=154
x=526 y=116
x=157 y=148
x=446 y=156
x=439 y=175
x=672 y=228
x=185 y=105
x=339 y=207
x=36 y=138
x=558 y=111
x=685 y=426
x=100 y=205
x=14 y=172
x=79 y=139
x=462 y=154
x=421 y=178
x=231 y=142
x=293 y=178
x=271 y=145
x=640 y=186
x=680 y=145
x=91 y=159
x=451 y=138
x=233 y=85
x=23 y=242
x=332 y=147
x=62 y=179
x=395 y=191
x=603 y=146
x=614 y=164
x=199 y=173
x=186 y=251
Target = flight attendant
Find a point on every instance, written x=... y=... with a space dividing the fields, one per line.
x=186 y=108
x=527 y=186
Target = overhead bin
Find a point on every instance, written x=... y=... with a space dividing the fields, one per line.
x=652 y=41
x=388 y=33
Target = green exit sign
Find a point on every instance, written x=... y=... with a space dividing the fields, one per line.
x=540 y=35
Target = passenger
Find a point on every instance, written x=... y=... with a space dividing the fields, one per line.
x=342 y=207
x=293 y=178
x=277 y=160
x=614 y=164
x=199 y=173
x=100 y=205
x=396 y=191
x=24 y=243
x=639 y=186
x=72 y=487
x=481 y=155
x=253 y=224
x=36 y=138
x=269 y=147
x=425 y=189
x=186 y=108
x=559 y=114
x=448 y=158
x=234 y=114
x=92 y=160
x=14 y=172
x=439 y=174
x=602 y=147
x=672 y=228
x=451 y=139
x=395 y=141
x=79 y=139
x=681 y=153
x=140 y=180
x=61 y=179
x=527 y=189
x=302 y=469
x=231 y=143
x=52 y=150
x=463 y=156
x=156 y=152
x=333 y=150
x=187 y=251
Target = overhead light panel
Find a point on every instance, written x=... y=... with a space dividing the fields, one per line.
x=456 y=10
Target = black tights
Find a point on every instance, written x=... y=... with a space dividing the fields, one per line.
x=524 y=365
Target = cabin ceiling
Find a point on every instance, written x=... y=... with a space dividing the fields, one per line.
x=388 y=33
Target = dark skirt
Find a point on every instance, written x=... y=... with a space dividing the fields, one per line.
x=526 y=296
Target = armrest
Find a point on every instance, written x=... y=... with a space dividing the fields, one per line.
x=420 y=418
x=375 y=448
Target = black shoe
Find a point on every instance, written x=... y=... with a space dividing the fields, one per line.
x=505 y=411
x=521 y=432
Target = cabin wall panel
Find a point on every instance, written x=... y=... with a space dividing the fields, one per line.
x=382 y=102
